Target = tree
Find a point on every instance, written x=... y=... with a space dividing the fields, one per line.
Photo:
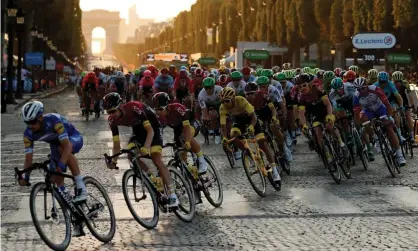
x=405 y=13
x=308 y=27
x=292 y=30
x=382 y=15
x=346 y=7
x=322 y=10
x=336 y=21
x=280 y=23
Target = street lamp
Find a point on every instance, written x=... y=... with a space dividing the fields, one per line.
x=332 y=56
x=11 y=13
x=355 y=55
x=34 y=32
x=20 y=20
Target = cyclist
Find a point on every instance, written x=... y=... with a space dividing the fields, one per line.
x=172 y=71
x=209 y=103
x=146 y=130
x=237 y=84
x=222 y=80
x=393 y=96
x=90 y=84
x=405 y=91
x=372 y=76
x=246 y=74
x=371 y=102
x=64 y=139
x=183 y=89
x=164 y=82
x=312 y=99
x=176 y=116
x=266 y=112
x=153 y=70
x=120 y=82
x=244 y=117
x=146 y=85
x=326 y=81
x=341 y=97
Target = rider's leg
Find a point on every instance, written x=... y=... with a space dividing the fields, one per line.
x=409 y=122
x=291 y=123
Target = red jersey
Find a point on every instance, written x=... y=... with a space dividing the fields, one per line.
x=173 y=74
x=89 y=81
x=177 y=114
x=134 y=114
x=146 y=82
x=183 y=84
x=197 y=86
x=260 y=100
x=313 y=99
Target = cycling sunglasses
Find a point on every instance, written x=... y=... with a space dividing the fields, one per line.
x=250 y=93
x=303 y=85
x=32 y=122
x=226 y=101
x=208 y=87
x=111 y=111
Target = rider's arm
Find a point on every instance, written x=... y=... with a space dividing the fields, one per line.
x=381 y=94
x=249 y=109
x=327 y=104
x=116 y=140
x=399 y=99
x=302 y=115
x=150 y=134
x=395 y=92
x=28 y=151
x=65 y=142
x=272 y=109
x=222 y=115
x=202 y=103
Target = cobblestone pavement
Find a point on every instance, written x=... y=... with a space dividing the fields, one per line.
x=369 y=212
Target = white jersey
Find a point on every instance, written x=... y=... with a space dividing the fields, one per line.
x=240 y=89
x=209 y=100
x=278 y=87
x=274 y=94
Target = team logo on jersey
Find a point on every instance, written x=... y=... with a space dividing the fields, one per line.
x=27 y=142
x=181 y=111
x=59 y=128
x=137 y=110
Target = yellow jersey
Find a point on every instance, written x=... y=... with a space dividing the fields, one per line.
x=242 y=108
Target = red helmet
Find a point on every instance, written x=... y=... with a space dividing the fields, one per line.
x=152 y=68
x=338 y=71
x=147 y=73
x=246 y=70
x=350 y=75
x=198 y=72
x=164 y=70
x=91 y=76
x=172 y=67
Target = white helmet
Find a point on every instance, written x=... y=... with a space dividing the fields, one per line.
x=359 y=82
x=119 y=74
x=32 y=110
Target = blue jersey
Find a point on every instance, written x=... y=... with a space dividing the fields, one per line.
x=164 y=82
x=390 y=91
x=250 y=79
x=54 y=128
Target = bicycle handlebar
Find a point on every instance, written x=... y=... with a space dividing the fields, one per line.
x=34 y=166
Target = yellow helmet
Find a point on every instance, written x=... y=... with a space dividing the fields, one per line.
x=227 y=93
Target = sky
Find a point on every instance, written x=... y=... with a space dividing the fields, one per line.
x=159 y=10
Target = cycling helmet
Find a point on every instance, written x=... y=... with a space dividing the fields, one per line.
x=275 y=69
x=164 y=70
x=383 y=76
x=152 y=68
x=147 y=73
x=233 y=70
x=251 y=87
x=210 y=75
x=397 y=76
x=372 y=74
x=267 y=73
x=227 y=93
x=342 y=74
x=353 y=68
x=305 y=78
x=137 y=72
x=83 y=74
x=143 y=68
x=337 y=83
x=298 y=71
x=32 y=110
x=280 y=76
x=208 y=82
x=289 y=74
x=119 y=74
x=160 y=100
x=320 y=74
x=263 y=80
x=306 y=70
x=222 y=69
x=223 y=79
x=91 y=76
x=350 y=75
x=195 y=64
x=329 y=76
x=214 y=72
x=315 y=71
x=338 y=71
x=111 y=101
x=183 y=68
x=183 y=73
x=286 y=66
x=246 y=70
x=359 y=82
x=192 y=69
x=172 y=67
x=236 y=76
x=198 y=72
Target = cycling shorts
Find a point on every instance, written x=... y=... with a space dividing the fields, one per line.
x=376 y=114
x=178 y=132
x=76 y=141
x=240 y=126
x=139 y=134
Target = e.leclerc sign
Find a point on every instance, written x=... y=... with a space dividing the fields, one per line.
x=373 y=40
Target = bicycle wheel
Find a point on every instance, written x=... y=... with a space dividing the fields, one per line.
x=87 y=107
x=140 y=192
x=187 y=205
x=263 y=159
x=384 y=148
x=332 y=167
x=212 y=182
x=253 y=172
x=361 y=149
x=58 y=213
x=102 y=228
